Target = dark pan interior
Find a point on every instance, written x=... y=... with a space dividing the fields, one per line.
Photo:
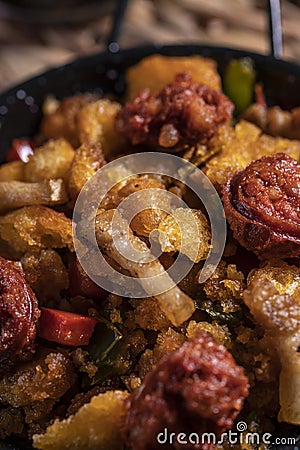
x=20 y=107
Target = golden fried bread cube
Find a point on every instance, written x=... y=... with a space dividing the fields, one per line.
x=60 y=117
x=96 y=123
x=36 y=227
x=154 y=72
x=86 y=162
x=52 y=160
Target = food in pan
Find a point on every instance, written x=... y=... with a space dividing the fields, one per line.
x=84 y=368
x=262 y=206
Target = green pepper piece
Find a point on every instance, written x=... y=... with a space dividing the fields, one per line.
x=103 y=349
x=215 y=312
x=103 y=340
x=239 y=82
x=230 y=319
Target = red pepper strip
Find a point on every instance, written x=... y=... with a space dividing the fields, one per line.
x=65 y=328
x=20 y=150
x=259 y=95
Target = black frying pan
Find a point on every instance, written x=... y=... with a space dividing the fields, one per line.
x=20 y=107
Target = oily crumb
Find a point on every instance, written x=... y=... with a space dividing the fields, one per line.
x=147 y=190
x=45 y=269
x=82 y=361
x=146 y=315
x=96 y=425
x=226 y=286
x=279 y=315
x=219 y=332
x=48 y=376
x=239 y=146
x=167 y=341
x=11 y=421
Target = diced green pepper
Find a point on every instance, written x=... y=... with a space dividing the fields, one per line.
x=238 y=83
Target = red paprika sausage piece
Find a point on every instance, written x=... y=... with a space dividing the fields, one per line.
x=262 y=206
x=19 y=314
x=65 y=327
x=183 y=113
x=196 y=389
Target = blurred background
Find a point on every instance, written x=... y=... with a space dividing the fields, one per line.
x=38 y=34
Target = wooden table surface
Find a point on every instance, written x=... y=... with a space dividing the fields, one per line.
x=27 y=49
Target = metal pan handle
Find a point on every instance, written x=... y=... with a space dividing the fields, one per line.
x=275 y=29
x=112 y=41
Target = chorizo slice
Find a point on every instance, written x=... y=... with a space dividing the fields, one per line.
x=19 y=314
x=196 y=389
x=182 y=114
x=262 y=206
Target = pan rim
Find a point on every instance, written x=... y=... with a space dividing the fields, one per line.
x=145 y=50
